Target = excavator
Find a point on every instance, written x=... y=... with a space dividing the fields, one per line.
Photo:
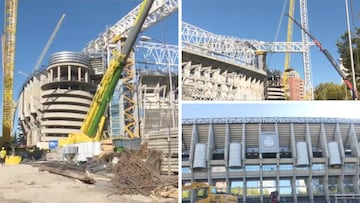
x=330 y=58
x=207 y=193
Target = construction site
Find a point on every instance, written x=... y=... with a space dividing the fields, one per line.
x=105 y=116
x=227 y=67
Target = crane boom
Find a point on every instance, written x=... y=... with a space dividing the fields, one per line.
x=47 y=46
x=288 y=40
x=8 y=67
x=330 y=58
x=95 y=118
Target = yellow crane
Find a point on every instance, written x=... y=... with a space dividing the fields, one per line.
x=8 y=41
x=288 y=39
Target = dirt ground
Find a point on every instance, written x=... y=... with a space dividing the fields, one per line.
x=26 y=184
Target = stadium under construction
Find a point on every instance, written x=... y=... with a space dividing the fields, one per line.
x=304 y=159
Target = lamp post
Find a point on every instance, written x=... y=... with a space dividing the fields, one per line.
x=171 y=93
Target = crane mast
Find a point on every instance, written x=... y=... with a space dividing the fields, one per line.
x=309 y=95
x=9 y=40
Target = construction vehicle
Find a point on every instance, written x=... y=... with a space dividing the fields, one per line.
x=91 y=129
x=331 y=59
x=206 y=193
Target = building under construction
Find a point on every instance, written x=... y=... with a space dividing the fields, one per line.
x=304 y=159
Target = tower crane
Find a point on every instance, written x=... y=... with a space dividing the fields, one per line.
x=9 y=39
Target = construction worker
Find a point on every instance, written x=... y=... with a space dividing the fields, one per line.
x=2 y=156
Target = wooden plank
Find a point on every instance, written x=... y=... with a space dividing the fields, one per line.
x=67 y=173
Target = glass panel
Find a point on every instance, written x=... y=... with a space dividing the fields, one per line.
x=349 y=166
x=218 y=169
x=268 y=186
x=285 y=167
x=220 y=186
x=185 y=170
x=333 y=185
x=252 y=168
x=317 y=186
x=318 y=167
x=235 y=169
x=285 y=187
x=348 y=184
x=237 y=187
x=301 y=187
x=269 y=167
x=252 y=188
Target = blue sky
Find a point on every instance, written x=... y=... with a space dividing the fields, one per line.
x=259 y=19
x=85 y=20
x=330 y=109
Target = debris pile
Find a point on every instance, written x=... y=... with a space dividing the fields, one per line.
x=134 y=176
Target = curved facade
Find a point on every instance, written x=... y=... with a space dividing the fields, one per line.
x=304 y=159
x=54 y=103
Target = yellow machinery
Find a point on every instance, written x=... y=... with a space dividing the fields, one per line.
x=208 y=194
x=287 y=55
x=94 y=121
x=8 y=41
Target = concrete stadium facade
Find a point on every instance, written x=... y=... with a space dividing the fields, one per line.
x=304 y=159
x=55 y=100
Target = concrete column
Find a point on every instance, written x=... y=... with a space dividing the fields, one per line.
x=79 y=73
x=69 y=73
x=210 y=143
x=293 y=143
x=51 y=76
x=243 y=144
x=339 y=141
x=194 y=141
x=309 y=144
x=86 y=75
x=58 y=73
x=227 y=142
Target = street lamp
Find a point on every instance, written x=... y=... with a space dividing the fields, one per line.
x=171 y=94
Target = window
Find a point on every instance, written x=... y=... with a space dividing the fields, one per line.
x=285 y=187
x=269 y=167
x=237 y=187
x=220 y=186
x=349 y=184
x=202 y=193
x=333 y=185
x=318 y=167
x=317 y=186
x=349 y=166
x=185 y=170
x=218 y=169
x=252 y=168
x=285 y=167
x=301 y=186
x=268 y=186
x=252 y=188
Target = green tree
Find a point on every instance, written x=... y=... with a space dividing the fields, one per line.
x=331 y=91
x=344 y=51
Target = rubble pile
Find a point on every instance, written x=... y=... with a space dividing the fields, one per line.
x=132 y=175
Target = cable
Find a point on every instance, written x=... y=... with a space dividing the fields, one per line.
x=278 y=27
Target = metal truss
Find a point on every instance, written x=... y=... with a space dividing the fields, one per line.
x=159 y=54
x=159 y=10
x=306 y=52
x=269 y=120
x=235 y=50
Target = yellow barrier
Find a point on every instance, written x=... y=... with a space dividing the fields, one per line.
x=12 y=160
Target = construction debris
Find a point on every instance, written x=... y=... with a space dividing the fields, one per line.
x=71 y=174
x=167 y=142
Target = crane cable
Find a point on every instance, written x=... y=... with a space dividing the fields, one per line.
x=278 y=27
